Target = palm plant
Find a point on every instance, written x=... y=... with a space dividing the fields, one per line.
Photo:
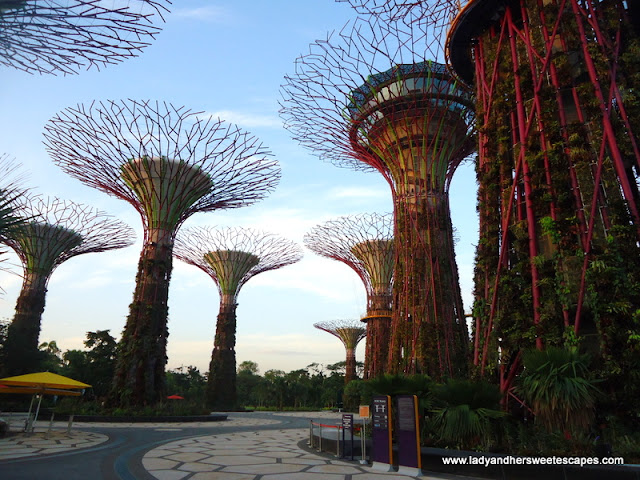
x=10 y=191
x=556 y=385
x=465 y=411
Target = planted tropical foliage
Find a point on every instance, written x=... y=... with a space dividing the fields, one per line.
x=556 y=384
x=465 y=412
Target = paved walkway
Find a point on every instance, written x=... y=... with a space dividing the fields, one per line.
x=248 y=455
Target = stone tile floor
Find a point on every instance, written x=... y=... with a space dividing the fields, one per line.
x=260 y=455
x=44 y=443
x=254 y=455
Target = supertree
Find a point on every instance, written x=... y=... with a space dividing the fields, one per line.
x=364 y=243
x=368 y=100
x=350 y=333
x=53 y=231
x=50 y=36
x=559 y=158
x=231 y=256
x=168 y=163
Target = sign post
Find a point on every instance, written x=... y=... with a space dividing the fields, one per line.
x=408 y=435
x=363 y=413
x=347 y=424
x=381 y=452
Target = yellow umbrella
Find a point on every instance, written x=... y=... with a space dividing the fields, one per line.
x=41 y=383
x=43 y=380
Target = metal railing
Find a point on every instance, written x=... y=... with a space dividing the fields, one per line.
x=315 y=429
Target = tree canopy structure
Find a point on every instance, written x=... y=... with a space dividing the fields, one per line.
x=558 y=167
x=168 y=163
x=231 y=257
x=364 y=243
x=61 y=36
x=53 y=231
x=366 y=99
x=436 y=15
x=349 y=332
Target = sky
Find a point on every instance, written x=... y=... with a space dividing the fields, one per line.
x=227 y=58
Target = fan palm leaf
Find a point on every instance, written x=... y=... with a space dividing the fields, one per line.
x=556 y=384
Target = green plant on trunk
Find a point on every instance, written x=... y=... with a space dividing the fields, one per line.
x=465 y=412
x=556 y=385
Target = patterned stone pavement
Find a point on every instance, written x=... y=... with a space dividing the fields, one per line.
x=260 y=455
x=45 y=443
x=59 y=439
x=271 y=454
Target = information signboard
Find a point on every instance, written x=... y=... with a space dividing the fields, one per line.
x=381 y=430
x=408 y=431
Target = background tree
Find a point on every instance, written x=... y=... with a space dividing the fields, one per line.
x=94 y=365
x=75 y=364
x=49 y=358
x=249 y=385
x=168 y=163
x=187 y=382
x=101 y=354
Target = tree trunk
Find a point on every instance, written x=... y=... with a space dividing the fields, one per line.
x=350 y=366
x=427 y=331
x=21 y=354
x=142 y=353
x=221 y=388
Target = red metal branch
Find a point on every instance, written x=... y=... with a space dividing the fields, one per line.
x=49 y=36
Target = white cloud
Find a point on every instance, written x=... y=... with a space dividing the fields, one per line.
x=206 y=14
x=243 y=119
x=359 y=193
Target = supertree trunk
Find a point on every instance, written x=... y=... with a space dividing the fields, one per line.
x=221 y=387
x=143 y=347
x=421 y=341
x=350 y=365
x=378 y=336
x=558 y=171
x=21 y=349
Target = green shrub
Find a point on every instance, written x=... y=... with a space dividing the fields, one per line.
x=464 y=413
x=555 y=383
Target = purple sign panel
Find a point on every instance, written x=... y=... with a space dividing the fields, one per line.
x=381 y=432
x=408 y=431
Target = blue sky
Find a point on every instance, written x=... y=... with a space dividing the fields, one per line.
x=226 y=58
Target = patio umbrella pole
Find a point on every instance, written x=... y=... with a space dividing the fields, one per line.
x=33 y=424
x=27 y=423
